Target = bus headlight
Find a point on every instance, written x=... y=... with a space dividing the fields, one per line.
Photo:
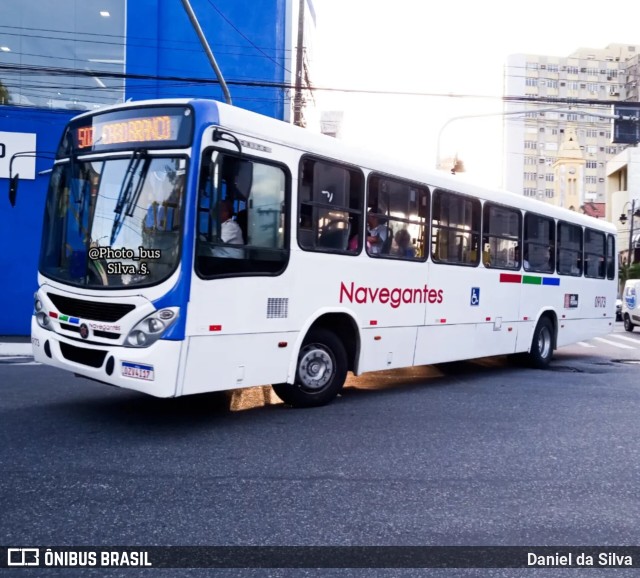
x=43 y=320
x=42 y=317
x=151 y=328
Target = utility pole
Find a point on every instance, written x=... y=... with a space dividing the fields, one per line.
x=207 y=49
x=297 y=99
x=633 y=213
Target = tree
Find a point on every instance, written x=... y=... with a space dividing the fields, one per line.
x=5 y=97
x=628 y=272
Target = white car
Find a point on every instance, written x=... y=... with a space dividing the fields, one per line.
x=630 y=304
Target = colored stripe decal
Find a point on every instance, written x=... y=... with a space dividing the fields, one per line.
x=510 y=278
x=529 y=280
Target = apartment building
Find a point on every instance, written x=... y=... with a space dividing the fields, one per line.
x=558 y=148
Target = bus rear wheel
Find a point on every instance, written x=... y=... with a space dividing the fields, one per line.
x=542 y=344
x=320 y=372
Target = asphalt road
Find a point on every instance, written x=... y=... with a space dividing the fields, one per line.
x=479 y=453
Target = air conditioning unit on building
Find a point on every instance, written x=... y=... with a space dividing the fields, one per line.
x=613 y=91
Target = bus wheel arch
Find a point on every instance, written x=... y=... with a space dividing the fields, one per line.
x=328 y=350
x=543 y=341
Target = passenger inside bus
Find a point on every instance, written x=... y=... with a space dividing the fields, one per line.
x=379 y=238
x=230 y=233
x=403 y=247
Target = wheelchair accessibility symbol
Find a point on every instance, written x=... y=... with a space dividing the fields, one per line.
x=475 y=296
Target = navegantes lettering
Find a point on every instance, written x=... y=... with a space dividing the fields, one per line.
x=394 y=297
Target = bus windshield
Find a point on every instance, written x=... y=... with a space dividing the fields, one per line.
x=113 y=223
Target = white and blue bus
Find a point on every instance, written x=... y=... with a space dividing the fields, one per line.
x=190 y=246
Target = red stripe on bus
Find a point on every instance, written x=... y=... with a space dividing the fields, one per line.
x=53 y=314
x=510 y=278
x=373 y=322
x=215 y=327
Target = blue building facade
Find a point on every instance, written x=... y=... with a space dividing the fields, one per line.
x=59 y=59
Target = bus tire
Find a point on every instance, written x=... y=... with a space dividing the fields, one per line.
x=628 y=326
x=321 y=370
x=542 y=344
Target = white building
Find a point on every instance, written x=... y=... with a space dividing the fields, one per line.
x=596 y=78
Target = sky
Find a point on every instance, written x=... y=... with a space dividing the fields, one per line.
x=443 y=49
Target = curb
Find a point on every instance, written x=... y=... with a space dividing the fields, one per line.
x=19 y=349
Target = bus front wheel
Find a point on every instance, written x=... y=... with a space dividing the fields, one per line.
x=542 y=344
x=320 y=372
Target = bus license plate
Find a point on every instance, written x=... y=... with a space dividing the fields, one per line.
x=137 y=371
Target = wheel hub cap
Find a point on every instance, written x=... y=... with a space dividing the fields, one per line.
x=316 y=368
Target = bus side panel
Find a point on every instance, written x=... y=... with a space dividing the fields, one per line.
x=387 y=348
x=573 y=330
x=483 y=306
x=495 y=337
x=439 y=344
x=216 y=363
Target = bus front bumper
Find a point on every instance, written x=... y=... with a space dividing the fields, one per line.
x=152 y=370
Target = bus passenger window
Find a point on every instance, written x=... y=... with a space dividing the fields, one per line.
x=455 y=228
x=397 y=218
x=501 y=236
x=595 y=251
x=569 y=249
x=539 y=243
x=241 y=216
x=330 y=213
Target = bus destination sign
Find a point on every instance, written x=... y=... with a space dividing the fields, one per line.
x=135 y=131
x=149 y=127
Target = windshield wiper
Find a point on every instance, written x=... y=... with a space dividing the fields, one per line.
x=124 y=196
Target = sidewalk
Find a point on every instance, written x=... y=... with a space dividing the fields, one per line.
x=12 y=345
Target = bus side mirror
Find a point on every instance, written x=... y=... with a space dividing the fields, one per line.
x=13 y=189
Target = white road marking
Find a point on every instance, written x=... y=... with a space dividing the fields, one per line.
x=613 y=343
x=585 y=344
x=631 y=339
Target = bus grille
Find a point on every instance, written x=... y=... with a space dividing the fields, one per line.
x=90 y=357
x=93 y=310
